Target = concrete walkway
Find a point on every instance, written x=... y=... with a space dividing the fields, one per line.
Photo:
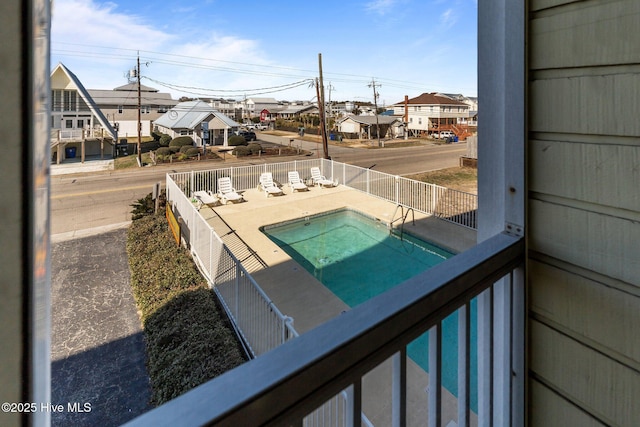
x=97 y=349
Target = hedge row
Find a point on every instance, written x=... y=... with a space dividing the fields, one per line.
x=189 y=338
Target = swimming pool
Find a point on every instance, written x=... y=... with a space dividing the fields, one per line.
x=357 y=258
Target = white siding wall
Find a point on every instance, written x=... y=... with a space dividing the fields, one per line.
x=584 y=212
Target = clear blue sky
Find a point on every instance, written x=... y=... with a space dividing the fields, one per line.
x=223 y=48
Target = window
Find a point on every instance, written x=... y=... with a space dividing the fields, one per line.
x=69 y=100
x=68 y=124
x=145 y=109
x=120 y=109
x=419 y=120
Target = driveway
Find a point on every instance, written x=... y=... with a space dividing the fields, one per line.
x=97 y=349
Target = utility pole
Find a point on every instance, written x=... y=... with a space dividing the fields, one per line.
x=323 y=127
x=373 y=84
x=139 y=117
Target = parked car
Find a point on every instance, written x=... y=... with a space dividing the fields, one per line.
x=261 y=126
x=248 y=135
x=445 y=134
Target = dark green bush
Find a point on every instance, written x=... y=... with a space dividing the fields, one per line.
x=241 y=150
x=192 y=151
x=236 y=140
x=164 y=151
x=165 y=140
x=184 y=148
x=189 y=339
x=254 y=148
x=156 y=136
x=174 y=149
x=180 y=141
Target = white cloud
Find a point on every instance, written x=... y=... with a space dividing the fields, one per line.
x=381 y=7
x=448 y=18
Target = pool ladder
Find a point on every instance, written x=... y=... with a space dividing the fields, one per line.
x=403 y=216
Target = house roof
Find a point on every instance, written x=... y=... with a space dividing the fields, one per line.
x=431 y=99
x=295 y=109
x=263 y=100
x=134 y=86
x=121 y=97
x=84 y=94
x=190 y=114
x=370 y=120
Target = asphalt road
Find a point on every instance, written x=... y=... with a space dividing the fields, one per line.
x=84 y=201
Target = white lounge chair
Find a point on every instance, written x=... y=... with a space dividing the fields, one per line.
x=320 y=180
x=268 y=186
x=296 y=183
x=205 y=198
x=226 y=192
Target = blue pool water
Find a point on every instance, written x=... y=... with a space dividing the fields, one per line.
x=357 y=258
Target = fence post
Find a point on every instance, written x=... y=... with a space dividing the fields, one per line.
x=237 y=286
x=397 y=190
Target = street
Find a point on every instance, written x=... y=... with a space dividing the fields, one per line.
x=83 y=201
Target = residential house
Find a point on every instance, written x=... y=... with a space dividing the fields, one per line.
x=366 y=127
x=120 y=107
x=228 y=107
x=296 y=110
x=253 y=106
x=431 y=112
x=558 y=173
x=78 y=126
x=198 y=120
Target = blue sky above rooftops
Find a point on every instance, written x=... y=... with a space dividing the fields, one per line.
x=224 y=49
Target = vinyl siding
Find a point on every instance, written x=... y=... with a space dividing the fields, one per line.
x=584 y=212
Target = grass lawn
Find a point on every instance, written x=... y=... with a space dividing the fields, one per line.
x=457 y=178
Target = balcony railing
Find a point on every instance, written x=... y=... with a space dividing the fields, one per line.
x=284 y=385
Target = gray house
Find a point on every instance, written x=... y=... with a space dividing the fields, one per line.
x=198 y=120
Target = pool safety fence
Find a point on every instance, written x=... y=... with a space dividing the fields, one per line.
x=257 y=320
x=447 y=204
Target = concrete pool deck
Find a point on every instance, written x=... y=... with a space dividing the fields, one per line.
x=299 y=295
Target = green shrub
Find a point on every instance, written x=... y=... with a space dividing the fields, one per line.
x=156 y=136
x=236 y=140
x=182 y=156
x=164 y=140
x=180 y=141
x=192 y=151
x=241 y=150
x=184 y=148
x=164 y=151
x=188 y=337
x=254 y=148
x=174 y=149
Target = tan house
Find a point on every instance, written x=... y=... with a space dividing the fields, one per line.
x=120 y=107
x=431 y=112
x=78 y=127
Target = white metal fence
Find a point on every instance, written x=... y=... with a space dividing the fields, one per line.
x=255 y=317
x=450 y=205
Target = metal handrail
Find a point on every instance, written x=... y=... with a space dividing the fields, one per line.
x=287 y=383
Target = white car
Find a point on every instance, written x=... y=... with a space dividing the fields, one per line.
x=445 y=134
x=260 y=126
